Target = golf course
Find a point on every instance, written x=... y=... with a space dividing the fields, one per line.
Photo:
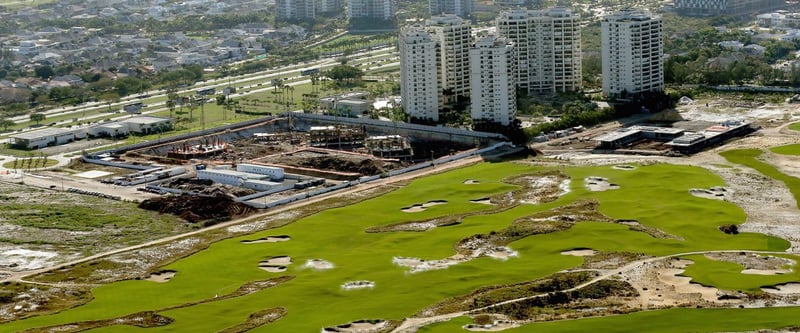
x=490 y=224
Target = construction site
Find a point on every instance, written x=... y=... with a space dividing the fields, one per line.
x=227 y=172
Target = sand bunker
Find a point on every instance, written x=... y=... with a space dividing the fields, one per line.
x=683 y=285
x=599 y=184
x=716 y=192
x=419 y=265
x=359 y=326
x=275 y=264
x=362 y=284
x=501 y=252
x=268 y=239
x=318 y=264
x=624 y=167
x=579 y=252
x=421 y=207
x=161 y=276
x=471 y=182
x=783 y=289
x=766 y=271
x=485 y=201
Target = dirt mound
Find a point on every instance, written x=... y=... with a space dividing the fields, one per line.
x=207 y=186
x=197 y=208
x=365 y=167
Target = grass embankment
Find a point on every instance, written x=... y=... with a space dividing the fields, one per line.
x=30 y=163
x=793 y=149
x=657 y=196
x=749 y=157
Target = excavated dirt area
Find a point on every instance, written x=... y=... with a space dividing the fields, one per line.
x=196 y=208
x=331 y=160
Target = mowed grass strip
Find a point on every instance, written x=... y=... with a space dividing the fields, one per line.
x=795 y=126
x=793 y=149
x=749 y=157
x=727 y=275
x=666 y=321
x=655 y=195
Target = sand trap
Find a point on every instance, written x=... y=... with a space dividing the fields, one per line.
x=161 y=276
x=784 y=289
x=268 y=239
x=599 y=184
x=418 y=265
x=716 y=192
x=92 y=174
x=279 y=260
x=766 y=271
x=273 y=269
x=318 y=264
x=363 y=284
x=624 y=167
x=484 y=201
x=471 y=182
x=421 y=207
x=275 y=264
x=359 y=326
x=683 y=285
x=579 y=252
x=501 y=252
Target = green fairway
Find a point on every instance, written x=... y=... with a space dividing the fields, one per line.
x=657 y=196
x=793 y=149
x=749 y=157
x=795 y=126
x=727 y=275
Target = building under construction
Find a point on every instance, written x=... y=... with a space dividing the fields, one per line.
x=389 y=146
x=187 y=152
x=335 y=136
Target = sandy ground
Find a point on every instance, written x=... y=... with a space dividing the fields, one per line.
x=422 y=207
x=579 y=253
x=162 y=276
x=268 y=239
x=599 y=184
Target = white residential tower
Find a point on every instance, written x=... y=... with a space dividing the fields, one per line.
x=548 y=44
x=492 y=66
x=632 y=53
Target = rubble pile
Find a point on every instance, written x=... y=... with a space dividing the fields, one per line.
x=364 y=167
x=207 y=187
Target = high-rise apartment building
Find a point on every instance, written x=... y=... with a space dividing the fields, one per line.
x=725 y=7
x=492 y=68
x=329 y=6
x=419 y=73
x=454 y=36
x=369 y=9
x=548 y=44
x=632 y=53
x=462 y=8
x=294 y=9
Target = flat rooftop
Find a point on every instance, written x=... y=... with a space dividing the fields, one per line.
x=145 y=120
x=38 y=134
x=618 y=134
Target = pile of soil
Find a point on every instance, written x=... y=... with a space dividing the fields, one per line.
x=207 y=187
x=198 y=208
x=364 y=167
